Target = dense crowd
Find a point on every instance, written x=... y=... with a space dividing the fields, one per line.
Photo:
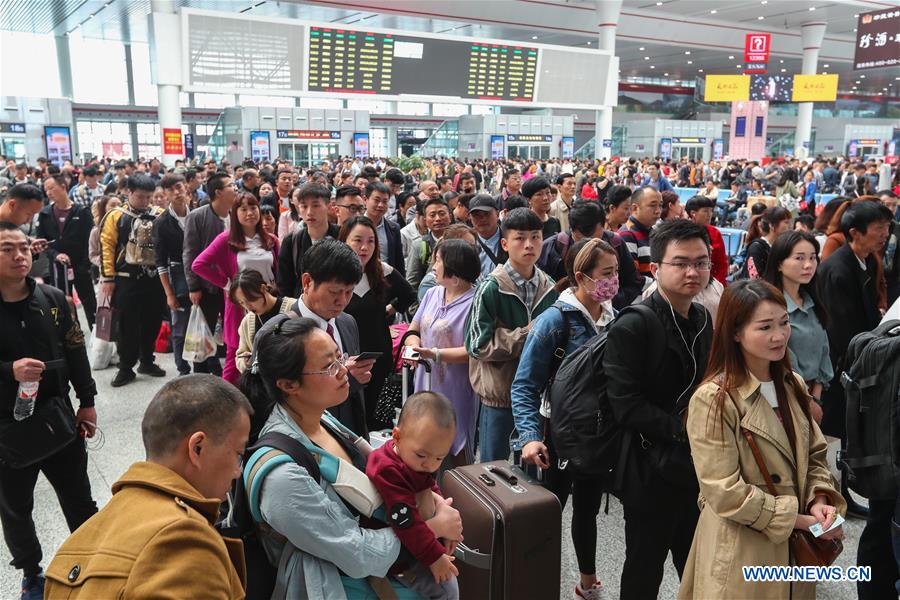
x=716 y=299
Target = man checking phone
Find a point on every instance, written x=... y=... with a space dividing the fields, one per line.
x=43 y=344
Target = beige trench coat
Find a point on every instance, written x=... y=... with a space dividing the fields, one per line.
x=741 y=524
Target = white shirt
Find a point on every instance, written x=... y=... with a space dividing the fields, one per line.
x=305 y=311
x=767 y=389
x=257 y=258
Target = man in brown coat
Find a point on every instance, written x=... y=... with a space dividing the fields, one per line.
x=155 y=538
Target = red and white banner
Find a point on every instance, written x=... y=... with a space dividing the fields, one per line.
x=756 y=52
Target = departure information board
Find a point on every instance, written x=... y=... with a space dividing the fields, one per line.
x=352 y=61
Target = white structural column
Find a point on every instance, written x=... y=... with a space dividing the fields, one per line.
x=608 y=12
x=64 y=65
x=165 y=69
x=812 y=35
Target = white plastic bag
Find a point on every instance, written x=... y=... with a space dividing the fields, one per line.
x=199 y=343
x=101 y=353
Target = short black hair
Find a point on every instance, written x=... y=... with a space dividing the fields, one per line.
x=638 y=194
x=346 y=190
x=90 y=171
x=585 y=215
x=25 y=191
x=860 y=215
x=696 y=203
x=311 y=191
x=535 y=185
x=441 y=180
x=618 y=194
x=432 y=202
x=141 y=182
x=215 y=183
x=377 y=186
x=521 y=219
x=199 y=402
x=395 y=176
x=433 y=405
x=515 y=201
x=171 y=180
x=678 y=230
x=331 y=260
x=281 y=172
x=562 y=178
x=509 y=173
x=460 y=259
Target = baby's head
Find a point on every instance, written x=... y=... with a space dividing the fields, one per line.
x=425 y=431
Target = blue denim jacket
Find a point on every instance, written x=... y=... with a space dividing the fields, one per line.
x=535 y=363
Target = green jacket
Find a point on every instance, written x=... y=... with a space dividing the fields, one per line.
x=496 y=328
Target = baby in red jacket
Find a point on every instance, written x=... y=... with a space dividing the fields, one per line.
x=402 y=472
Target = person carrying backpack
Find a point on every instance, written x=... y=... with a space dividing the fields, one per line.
x=581 y=312
x=128 y=277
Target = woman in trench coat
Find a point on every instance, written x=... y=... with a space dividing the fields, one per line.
x=749 y=385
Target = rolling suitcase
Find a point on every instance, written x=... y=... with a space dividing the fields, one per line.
x=512 y=530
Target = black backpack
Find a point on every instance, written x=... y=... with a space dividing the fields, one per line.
x=582 y=425
x=871 y=384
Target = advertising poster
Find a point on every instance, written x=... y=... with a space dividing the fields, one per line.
x=59 y=144
x=607 y=143
x=878 y=39
x=815 y=88
x=665 y=148
x=772 y=88
x=497 y=149
x=726 y=88
x=361 y=145
x=172 y=142
x=718 y=149
x=189 y=145
x=259 y=145
x=568 y=147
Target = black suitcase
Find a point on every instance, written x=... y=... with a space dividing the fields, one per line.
x=512 y=530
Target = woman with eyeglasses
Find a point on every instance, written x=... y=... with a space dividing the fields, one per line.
x=300 y=374
x=244 y=245
x=381 y=293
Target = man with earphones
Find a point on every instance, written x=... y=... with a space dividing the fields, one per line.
x=654 y=359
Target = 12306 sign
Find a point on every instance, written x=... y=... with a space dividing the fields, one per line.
x=756 y=52
x=878 y=39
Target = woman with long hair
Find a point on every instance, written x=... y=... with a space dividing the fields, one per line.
x=792 y=270
x=763 y=231
x=380 y=294
x=750 y=393
x=288 y=222
x=245 y=245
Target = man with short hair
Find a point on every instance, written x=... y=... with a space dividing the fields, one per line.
x=657 y=180
x=565 y=185
x=485 y=220
x=349 y=203
x=313 y=205
x=512 y=186
x=250 y=181
x=160 y=523
x=23 y=202
x=88 y=192
x=646 y=206
x=377 y=199
x=418 y=261
x=412 y=232
x=194 y=184
x=40 y=329
x=538 y=192
x=466 y=183
x=699 y=209
x=280 y=198
x=653 y=363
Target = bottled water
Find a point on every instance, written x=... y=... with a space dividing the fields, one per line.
x=25 y=400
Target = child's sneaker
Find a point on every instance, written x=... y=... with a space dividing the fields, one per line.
x=595 y=592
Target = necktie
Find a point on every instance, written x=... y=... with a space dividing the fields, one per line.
x=330 y=331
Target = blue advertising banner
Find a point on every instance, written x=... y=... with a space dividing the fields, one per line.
x=59 y=144
x=665 y=148
x=568 y=147
x=361 y=145
x=259 y=146
x=718 y=149
x=497 y=147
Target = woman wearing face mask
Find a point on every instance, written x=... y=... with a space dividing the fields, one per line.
x=581 y=312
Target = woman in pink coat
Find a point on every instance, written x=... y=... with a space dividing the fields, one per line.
x=244 y=245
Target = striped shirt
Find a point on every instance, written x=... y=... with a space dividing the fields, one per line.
x=637 y=240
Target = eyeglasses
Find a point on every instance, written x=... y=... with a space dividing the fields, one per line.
x=354 y=208
x=700 y=265
x=333 y=368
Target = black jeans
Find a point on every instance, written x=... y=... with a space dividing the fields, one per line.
x=85 y=288
x=141 y=302
x=650 y=533
x=213 y=305
x=875 y=550
x=67 y=473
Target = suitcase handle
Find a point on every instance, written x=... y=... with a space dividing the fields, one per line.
x=505 y=475
x=472 y=558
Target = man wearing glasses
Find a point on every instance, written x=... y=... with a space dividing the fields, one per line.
x=654 y=360
x=378 y=197
x=349 y=203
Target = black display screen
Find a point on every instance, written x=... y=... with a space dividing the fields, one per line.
x=349 y=61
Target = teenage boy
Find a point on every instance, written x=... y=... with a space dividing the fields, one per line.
x=699 y=209
x=378 y=197
x=646 y=206
x=281 y=197
x=505 y=304
x=538 y=192
x=649 y=402
x=313 y=202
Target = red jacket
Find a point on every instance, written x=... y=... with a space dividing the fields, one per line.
x=719 y=256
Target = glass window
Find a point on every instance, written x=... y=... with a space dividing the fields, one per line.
x=148 y=140
x=378 y=145
x=35 y=76
x=482 y=109
x=213 y=100
x=104 y=138
x=412 y=108
x=321 y=103
x=205 y=128
x=439 y=109
x=98 y=71
x=251 y=100
x=144 y=90
x=373 y=106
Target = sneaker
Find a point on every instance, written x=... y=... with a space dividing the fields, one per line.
x=595 y=592
x=123 y=377
x=152 y=369
x=33 y=587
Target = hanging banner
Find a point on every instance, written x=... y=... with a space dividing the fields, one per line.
x=756 y=52
x=189 y=145
x=718 y=149
x=361 y=145
x=59 y=144
x=307 y=134
x=497 y=149
x=815 y=88
x=727 y=88
x=259 y=146
x=115 y=150
x=878 y=40
x=172 y=144
x=665 y=148
x=568 y=147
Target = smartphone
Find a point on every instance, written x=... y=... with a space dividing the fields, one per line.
x=369 y=355
x=409 y=353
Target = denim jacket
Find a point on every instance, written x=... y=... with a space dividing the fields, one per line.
x=536 y=361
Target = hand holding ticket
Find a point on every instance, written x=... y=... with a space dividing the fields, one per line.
x=816 y=528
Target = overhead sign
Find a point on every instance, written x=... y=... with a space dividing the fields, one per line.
x=726 y=88
x=306 y=134
x=59 y=144
x=878 y=39
x=12 y=127
x=688 y=140
x=756 y=52
x=815 y=88
x=189 y=145
x=259 y=146
x=530 y=138
x=172 y=143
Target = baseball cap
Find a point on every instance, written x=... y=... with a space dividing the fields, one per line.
x=482 y=202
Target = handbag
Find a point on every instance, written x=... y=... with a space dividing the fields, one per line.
x=807 y=550
x=51 y=427
x=106 y=327
x=391 y=396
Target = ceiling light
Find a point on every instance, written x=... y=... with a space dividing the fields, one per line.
x=659 y=3
x=764 y=2
x=854 y=87
x=534 y=37
x=731 y=57
x=713 y=11
x=784 y=70
x=652 y=67
x=687 y=51
x=738 y=66
x=641 y=48
x=826 y=66
x=646 y=58
x=862 y=76
x=812 y=8
x=856 y=16
x=690 y=62
x=589 y=43
x=699 y=70
x=780 y=61
x=760 y=18
x=665 y=74
x=885 y=89
x=854 y=30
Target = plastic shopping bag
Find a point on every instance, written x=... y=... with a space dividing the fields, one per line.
x=101 y=353
x=199 y=343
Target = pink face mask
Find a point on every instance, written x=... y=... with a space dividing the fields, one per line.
x=605 y=289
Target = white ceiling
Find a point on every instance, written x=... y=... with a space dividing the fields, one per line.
x=126 y=20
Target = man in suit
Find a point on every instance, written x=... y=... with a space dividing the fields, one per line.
x=330 y=272
x=377 y=198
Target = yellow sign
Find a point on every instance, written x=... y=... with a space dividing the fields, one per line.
x=815 y=88
x=727 y=88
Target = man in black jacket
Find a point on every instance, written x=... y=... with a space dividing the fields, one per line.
x=377 y=200
x=653 y=363
x=313 y=205
x=39 y=327
x=67 y=228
